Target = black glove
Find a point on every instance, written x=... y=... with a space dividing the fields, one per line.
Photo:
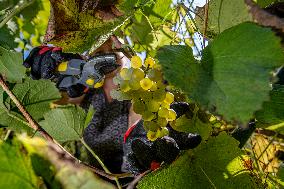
x=140 y=154
x=43 y=61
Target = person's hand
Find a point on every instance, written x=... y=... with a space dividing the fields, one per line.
x=141 y=154
x=43 y=61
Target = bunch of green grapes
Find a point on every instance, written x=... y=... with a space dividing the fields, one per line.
x=143 y=85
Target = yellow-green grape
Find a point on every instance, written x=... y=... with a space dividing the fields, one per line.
x=149 y=62
x=169 y=98
x=162 y=132
x=125 y=73
x=117 y=80
x=159 y=95
x=163 y=112
x=151 y=135
x=155 y=75
x=136 y=62
x=148 y=116
x=137 y=74
x=119 y=95
x=134 y=84
x=162 y=122
x=171 y=115
x=146 y=83
x=124 y=86
x=165 y=105
x=154 y=87
x=138 y=106
x=152 y=106
x=150 y=126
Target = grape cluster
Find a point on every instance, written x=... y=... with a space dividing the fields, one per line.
x=143 y=85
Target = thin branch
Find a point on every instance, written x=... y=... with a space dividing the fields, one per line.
x=34 y=125
x=100 y=161
x=17 y=9
x=137 y=179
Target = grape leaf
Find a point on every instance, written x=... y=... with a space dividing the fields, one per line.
x=35 y=96
x=65 y=124
x=272 y=112
x=194 y=125
x=195 y=168
x=11 y=65
x=7 y=38
x=229 y=76
x=47 y=157
x=15 y=167
x=222 y=15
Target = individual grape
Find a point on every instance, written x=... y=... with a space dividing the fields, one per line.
x=159 y=95
x=117 y=80
x=151 y=135
x=126 y=73
x=137 y=74
x=151 y=126
x=148 y=116
x=171 y=115
x=119 y=95
x=154 y=87
x=163 y=112
x=146 y=83
x=155 y=75
x=161 y=132
x=144 y=95
x=162 y=122
x=152 y=106
x=124 y=86
x=169 y=98
x=136 y=62
x=149 y=62
x=165 y=105
x=134 y=84
x=138 y=107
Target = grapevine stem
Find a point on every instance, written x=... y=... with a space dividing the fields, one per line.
x=34 y=125
x=100 y=162
x=18 y=8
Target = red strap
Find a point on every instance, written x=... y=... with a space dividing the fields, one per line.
x=155 y=165
x=128 y=132
x=56 y=49
x=44 y=50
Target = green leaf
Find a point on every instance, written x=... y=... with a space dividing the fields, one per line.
x=65 y=124
x=222 y=15
x=35 y=96
x=15 y=167
x=7 y=40
x=194 y=125
x=271 y=116
x=11 y=65
x=55 y=166
x=215 y=164
x=234 y=68
x=264 y=3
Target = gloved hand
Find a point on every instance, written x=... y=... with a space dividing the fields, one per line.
x=43 y=61
x=140 y=154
